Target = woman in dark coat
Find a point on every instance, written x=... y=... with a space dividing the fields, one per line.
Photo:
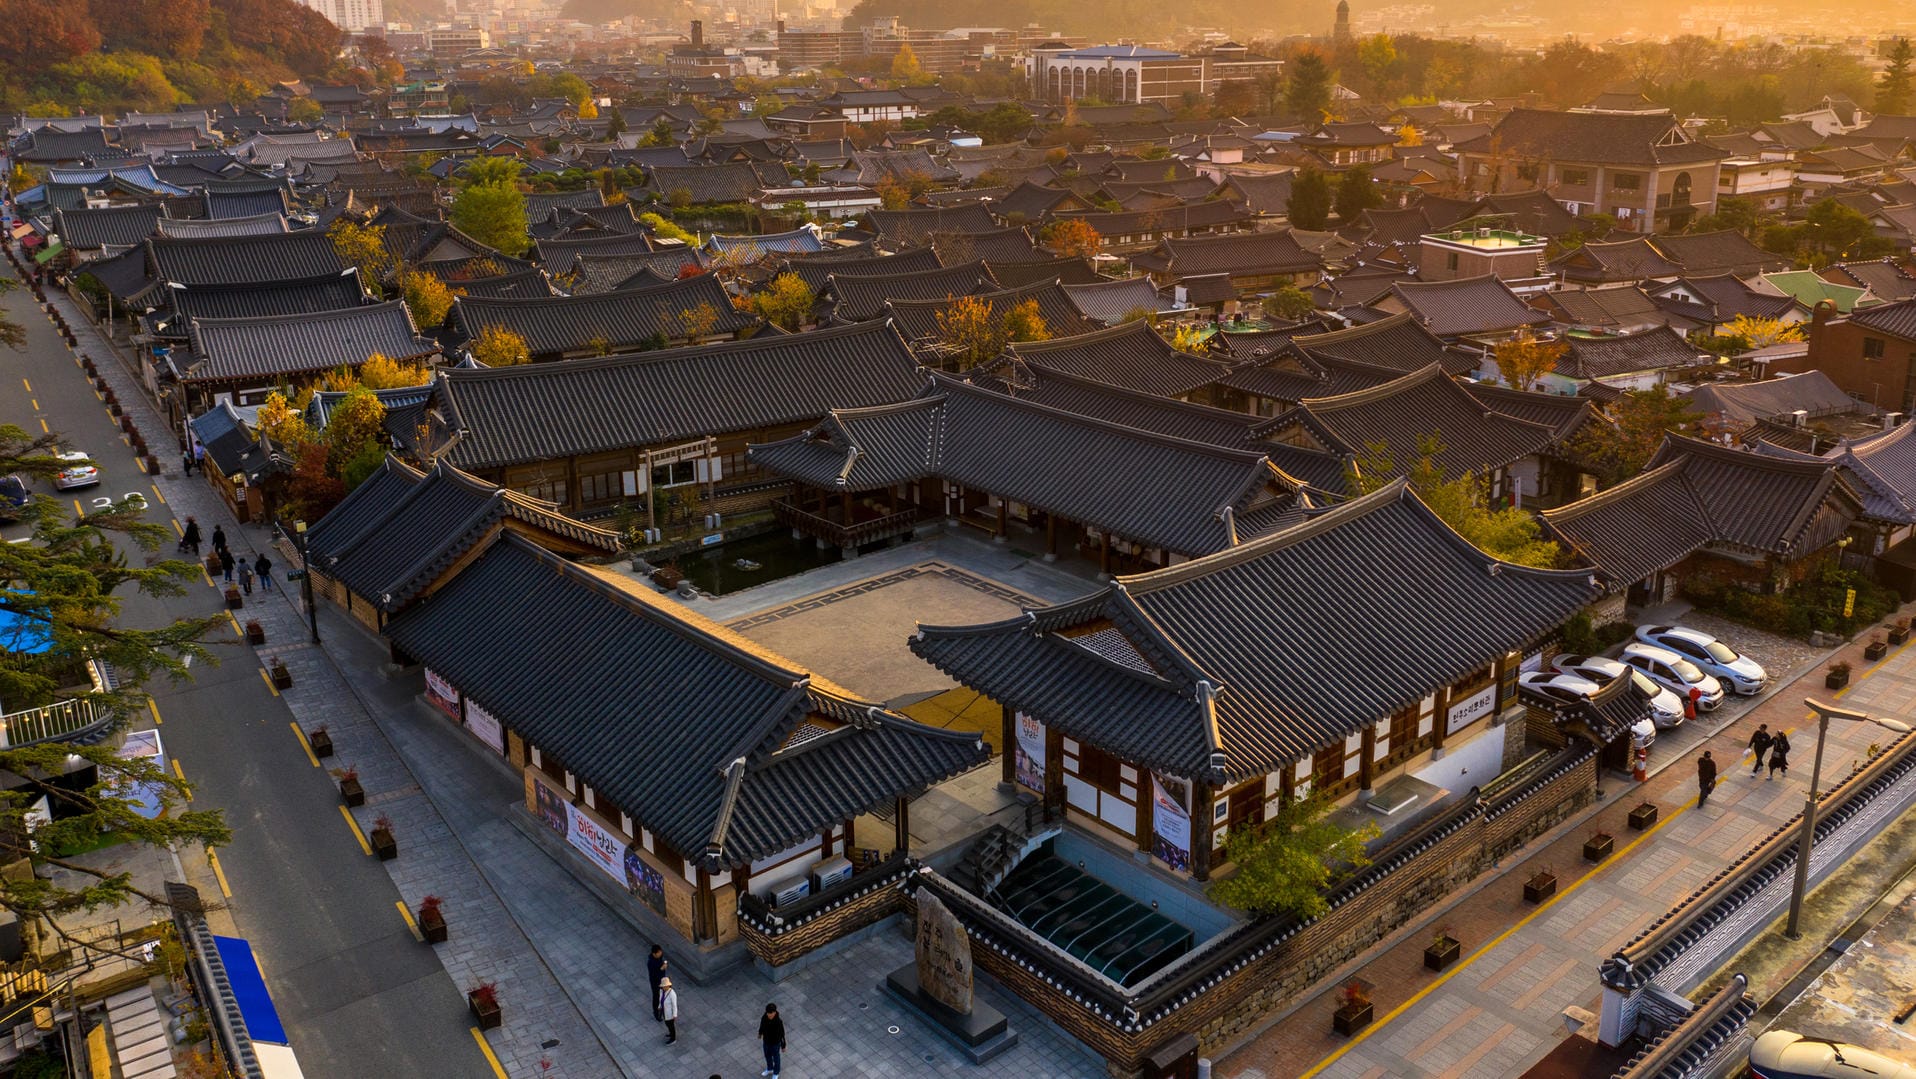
x=1780 y=755
x=190 y=537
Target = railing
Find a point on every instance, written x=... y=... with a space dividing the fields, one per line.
x=855 y=534
x=63 y=721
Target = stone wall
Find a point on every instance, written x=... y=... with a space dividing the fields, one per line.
x=776 y=940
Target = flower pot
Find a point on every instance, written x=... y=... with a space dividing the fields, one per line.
x=322 y=743
x=384 y=844
x=1540 y=887
x=432 y=925
x=1350 y=1018
x=234 y=601
x=352 y=792
x=282 y=678
x=667 y=577
x=485 y=1011
x=1597 y=847
x=255 y=633
x=1835 y=679
x=1441 y=953
x=1875 y=650
x=1643 y=816
x=212 y=564
x=1898 y=634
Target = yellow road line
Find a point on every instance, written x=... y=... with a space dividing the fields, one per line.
x=1459 y=967
x=410 y=923
x=178 y=527
x=268 y=679
x=203 y=573
x=43 y=426
x=140 y=462
x=36 y=403
x=304 y=744
x=154 y=707
x=357 y=834
x=27 y=384
x=77 y=508
x=158 y=495
x=237 y=631
x=497 y=1069
x=214 y=861
x=182 y=775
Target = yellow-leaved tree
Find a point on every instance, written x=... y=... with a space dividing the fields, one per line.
x=279 y=421
x=1762 y=332
x=427 y=298
x=496 y=346
x=1526 y=358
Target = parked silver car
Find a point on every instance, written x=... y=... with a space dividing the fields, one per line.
x=1675 y=673
x=1666 y=708
x=1739 y=673
x=1568 y=688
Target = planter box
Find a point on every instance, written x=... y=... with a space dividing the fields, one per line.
x=1875 y=650
x=1597 y=848
x=322 y=743
x=1539 y=888
x=486 y=1014
x=1898 y=634
x=213 y=565
x=1835 y=679
x=384 y=844
x=667 y=578
x=1442 y=953
x=1643 y=816
x=282 y=678
x=432 y=926
x=352 y=792
x=234 y=601
x=1351 y=1018
x=255 y=634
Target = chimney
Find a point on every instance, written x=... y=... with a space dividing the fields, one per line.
x=698 y=32
x=1820 y=314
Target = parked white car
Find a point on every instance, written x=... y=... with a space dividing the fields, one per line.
x=1739 y=673
x=1666 y=708
x=1568 y=688
x=79 y=471
x=1675 y=673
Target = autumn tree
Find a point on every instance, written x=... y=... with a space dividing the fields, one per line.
x=279 y=421
x=381 y=372
x=1309 y=207
x=489 y=207
x=355 y=436
x=893 y=193
x=1526 y=358
x=1291 y=303
x=304 y=110
x=427 y=297
x=1640 y=419
x=972 y=333
x=1503 y=532
x=496 y=346
x=665 y=230
x=1757 y=332
x=786 y=302
x=1025 y=322
x=905 y=67
x=1072 y=237
x=364 y=246
x=1285 y=864
x=692 y=323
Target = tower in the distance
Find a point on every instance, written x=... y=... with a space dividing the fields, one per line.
x=1341 y=30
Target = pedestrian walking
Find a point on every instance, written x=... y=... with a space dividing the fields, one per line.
x=199 y=458
x=226 y=559
x=771 y=1035
x=190 y=537
x=264 y=567
x=655 y=965
x=1780 y=755
x=186 y=462
x=219 y=538
x=669 y=1009
x=1705 y=778
x=245 y=577
x=1759 y=745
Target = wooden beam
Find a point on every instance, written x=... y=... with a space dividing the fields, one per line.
x=1202 y=828
x=1367 y=754
x=1008 y=743
x=901 y=826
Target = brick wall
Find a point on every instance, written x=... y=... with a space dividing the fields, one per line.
x=868 y=901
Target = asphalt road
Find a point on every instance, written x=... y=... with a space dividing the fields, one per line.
x=358 y=994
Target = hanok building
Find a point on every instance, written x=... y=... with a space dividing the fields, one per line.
x=1172 y=708
x=1481 y=309
x=693 y=311
x=918 y=320
x=684 y=763
x=1253 y=262
x=589 y=434
x=402 y=533
x=1273 y=376
x=245 y=359
x=856 y=297
x=1130 y=355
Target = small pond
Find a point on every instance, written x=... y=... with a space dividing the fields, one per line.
x=739 y=564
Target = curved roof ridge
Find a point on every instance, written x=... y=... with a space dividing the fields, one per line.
x=582 y=299
x=662 y=356
x=1249 y=421
x=1008 y=293
x=1573 y=510
x=1381 y=390
x=1109 y=333
x=334 y=315
x=976 y=265
x=948 y=384
x=1674 y=444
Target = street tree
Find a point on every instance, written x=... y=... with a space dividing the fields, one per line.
x=1287 y=862
x=1309 y=207
x=12 y=334
x=1526 y=358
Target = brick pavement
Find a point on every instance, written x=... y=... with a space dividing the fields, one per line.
x=1500 y=1009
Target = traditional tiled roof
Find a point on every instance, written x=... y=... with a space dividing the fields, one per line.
x=1395 y=415
x=991 y=245
x=738 y=250
x=1134 y=409
x=1130 y=355
x=1895 y=319
x=1563 y=414
x=1883 y=468
x=1029 y=201
x=1725 y=251
x=560 y=257
x=233 y=448
x=1723 y=296
x=609 y=273
x=1066 y=271
x=912 y=228
x=275 y=346
x=330 y=292
x=1172 y=218
x=1625 y=260
x=401 y=529
x=858 y=297
x=1112 y=302
x=1243 y=254
x=248 y=204
x=244 y=260
x=683 y=725
x=735 y=181
x=115 y=226
x=1466 y=305
x=541 y=204
x=1605 y=308
x=606 y=321
x=918 y=319
x=549 y=411
x=1647 y=141
x=1220 y=670
x=1884 y=279
x=1397 y=343
x=1608 y=357
x=1180 y=496
x=259 y=225
x=814 y=269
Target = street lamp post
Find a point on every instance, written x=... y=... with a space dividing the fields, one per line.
x=306 y=578
x=1824 y=713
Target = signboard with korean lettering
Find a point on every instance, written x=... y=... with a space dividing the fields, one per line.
x=1471 y=709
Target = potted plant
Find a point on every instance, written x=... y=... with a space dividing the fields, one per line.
x=1643 y=816
x=483 y=999
x=1354 y=1013
x=321 y=740
x=1541 y=885
x=1899 y=632
x=234 y=601
x=432 y=920
x=1597 y=847
x=1442 y=951
x=1837 y=675
x=349 y=788
x=212 y=562
x=1876 y=649
x=384 y=844
x=255 y=633
x=282 y=678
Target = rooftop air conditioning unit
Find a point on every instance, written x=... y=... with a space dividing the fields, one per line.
x=790 y=892
x=1798 y=417
x=1892 y=419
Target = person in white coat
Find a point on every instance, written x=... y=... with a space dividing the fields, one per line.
x=669 y=1009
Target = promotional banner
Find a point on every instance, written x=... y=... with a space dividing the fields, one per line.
x=643 y=881
x=488 y=729
x=551 y=804
x=441 y=694
x=1029 y=762
x=1170 y=822
x=605 y=848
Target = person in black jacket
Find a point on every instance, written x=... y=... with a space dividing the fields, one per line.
x=1705 y=778
x=1780 y=755
x=771 y=1035
x=190 y=537
x=219 y=538
x=655 y=973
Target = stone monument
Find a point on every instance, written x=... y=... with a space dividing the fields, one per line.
x=944 y=955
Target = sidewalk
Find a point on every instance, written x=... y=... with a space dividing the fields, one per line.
x=1499 y=1010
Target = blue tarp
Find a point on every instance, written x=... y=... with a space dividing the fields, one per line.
x=21 y=634
x=249 y=988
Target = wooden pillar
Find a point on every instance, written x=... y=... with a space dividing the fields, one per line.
x=1054 y=770
x=1104 y=554
x=1008 y=762
x=1201 y=830
x=651 y=512
x=845 y=508
x=701 y=900
x=572 y=484
x=825 y=843
x=1004 y=512
x=1367 y=750
x=1147 y=805
x=1050 y=536
x=901 y=826
x=1438 y=707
